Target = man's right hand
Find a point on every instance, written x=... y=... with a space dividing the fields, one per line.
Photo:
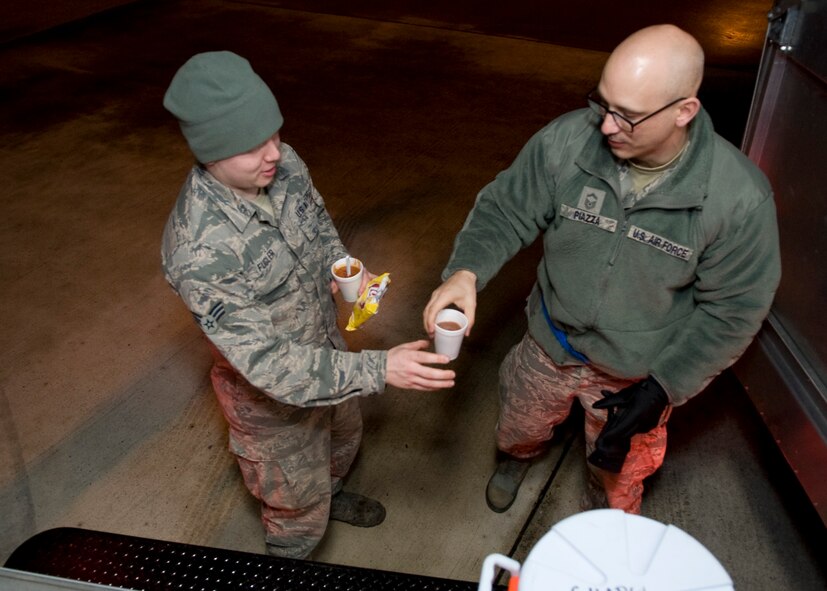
x=460 y=289
x=407 y=370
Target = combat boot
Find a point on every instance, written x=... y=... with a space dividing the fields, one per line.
x=356 y=509
x=594 y=496
x=505 y=482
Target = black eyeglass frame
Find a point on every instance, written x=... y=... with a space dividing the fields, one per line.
x=602 y=109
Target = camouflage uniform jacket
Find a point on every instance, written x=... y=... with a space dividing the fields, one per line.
x=260 y=287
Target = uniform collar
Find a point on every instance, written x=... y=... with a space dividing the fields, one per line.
x=238 y=210
x=685 y=187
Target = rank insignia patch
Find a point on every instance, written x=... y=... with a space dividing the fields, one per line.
x=209 y=321
x=591 y=200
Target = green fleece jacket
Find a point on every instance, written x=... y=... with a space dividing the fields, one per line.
x=675 y=287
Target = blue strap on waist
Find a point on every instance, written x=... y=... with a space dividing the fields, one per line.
x=561 y=336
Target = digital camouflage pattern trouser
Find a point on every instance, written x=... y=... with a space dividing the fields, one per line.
x=292 y=458
x=536 y=395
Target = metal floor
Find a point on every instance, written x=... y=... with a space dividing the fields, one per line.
x=107 y=420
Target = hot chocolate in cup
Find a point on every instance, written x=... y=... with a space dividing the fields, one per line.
x=449 y=331
x=348 y=282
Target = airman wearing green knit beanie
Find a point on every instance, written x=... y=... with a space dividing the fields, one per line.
x=224 y=107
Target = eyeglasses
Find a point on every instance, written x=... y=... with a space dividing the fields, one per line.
x=601 y=108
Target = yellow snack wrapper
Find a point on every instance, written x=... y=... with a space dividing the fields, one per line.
x=368 y=303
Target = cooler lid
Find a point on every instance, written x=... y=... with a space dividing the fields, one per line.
x=608 y=549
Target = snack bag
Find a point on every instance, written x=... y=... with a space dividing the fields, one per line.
x=368 y=302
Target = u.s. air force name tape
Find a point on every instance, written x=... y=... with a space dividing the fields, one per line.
x=664 y=245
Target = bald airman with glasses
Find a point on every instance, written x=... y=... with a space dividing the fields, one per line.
x=660 y=262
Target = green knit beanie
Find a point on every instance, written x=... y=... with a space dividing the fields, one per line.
x=223 y=107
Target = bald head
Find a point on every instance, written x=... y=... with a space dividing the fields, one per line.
x=661 y=61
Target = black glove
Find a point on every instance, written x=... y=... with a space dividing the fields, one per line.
x=634 y=409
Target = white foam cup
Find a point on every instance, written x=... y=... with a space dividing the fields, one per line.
x=448 y=340
x=349 y=286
